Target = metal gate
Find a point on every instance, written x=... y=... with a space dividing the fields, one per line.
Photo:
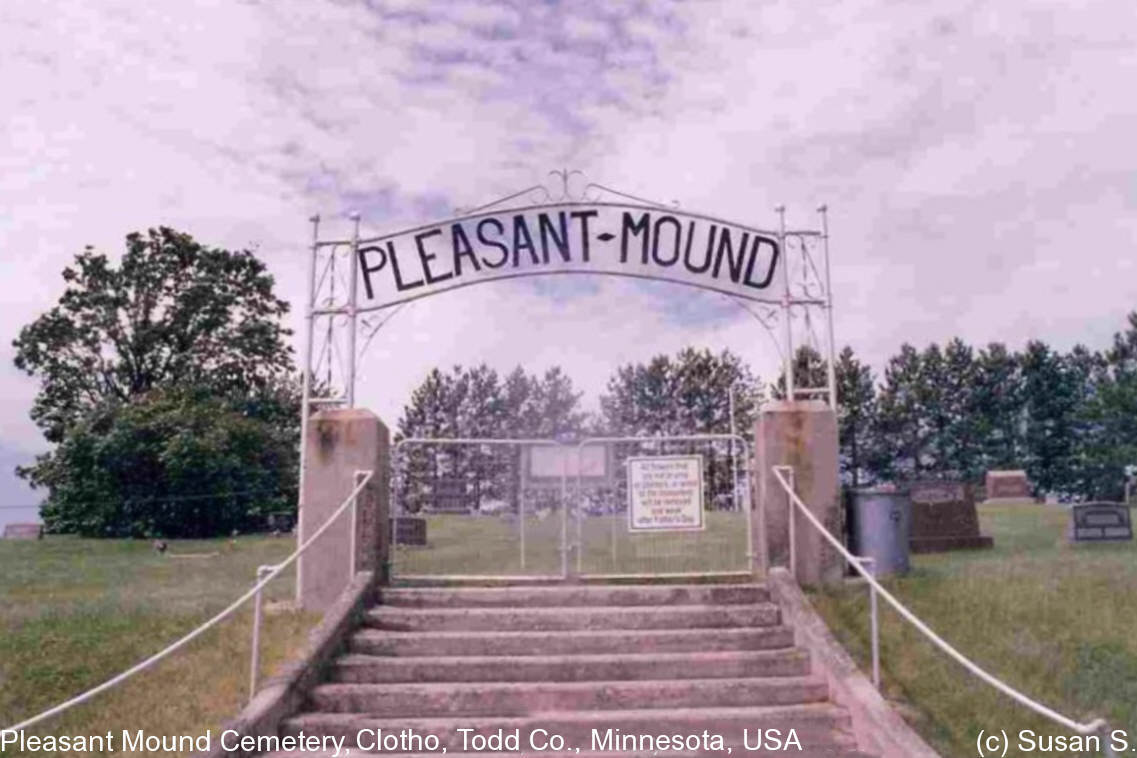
x=545 y=510
x=692 y=495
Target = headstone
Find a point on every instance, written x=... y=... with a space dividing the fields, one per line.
x=944 y=517
x=1100 y=522
x=282 y=521
x=409 y=530
x=450 y=496
x=1007 y=486
x=23 y=531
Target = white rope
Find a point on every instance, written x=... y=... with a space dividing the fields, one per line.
x=198 y=631
x=1092 y=727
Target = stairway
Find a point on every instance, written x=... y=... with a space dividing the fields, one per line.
x=574 y=661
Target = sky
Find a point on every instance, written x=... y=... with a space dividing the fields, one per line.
x=978 y=159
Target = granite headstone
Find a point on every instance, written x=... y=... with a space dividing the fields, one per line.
x=1100 y=522
x=1007 y=485
x=944 y=517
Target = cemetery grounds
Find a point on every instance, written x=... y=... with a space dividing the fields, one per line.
x=76 y=612
x=1055 y=620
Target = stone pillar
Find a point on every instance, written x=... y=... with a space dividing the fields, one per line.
x=340 y=443
x=802 y=434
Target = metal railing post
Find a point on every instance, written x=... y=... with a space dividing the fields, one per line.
x=353 y=564
x=791 y=517
x=874 y=624
x=521 y=511
x=255 y=651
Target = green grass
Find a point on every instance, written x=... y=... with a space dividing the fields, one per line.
x=1056 y=621
x=76 y=612
x=490 y=545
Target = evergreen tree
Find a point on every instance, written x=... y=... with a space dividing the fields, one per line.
x=856 y=409
x=901 y=423
x=999 y=405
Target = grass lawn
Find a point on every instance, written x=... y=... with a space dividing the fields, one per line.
x=76 y=612
x=1057 y=621
x=492 y=545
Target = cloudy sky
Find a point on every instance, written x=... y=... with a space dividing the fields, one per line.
x=979 y=160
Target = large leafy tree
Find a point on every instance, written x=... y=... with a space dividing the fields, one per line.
x=171 y=312
x=172 y=318
x=174 y=463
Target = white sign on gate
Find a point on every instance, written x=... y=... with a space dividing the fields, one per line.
x=665 y=492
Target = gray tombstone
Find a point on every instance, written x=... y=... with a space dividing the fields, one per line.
x=1100 y=522
x=450 y=495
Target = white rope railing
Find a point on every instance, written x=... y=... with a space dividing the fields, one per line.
x=1096 y=726
x=277 y=569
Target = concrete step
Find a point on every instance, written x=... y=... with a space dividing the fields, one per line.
x=612 y=641
x=576 y=595
x=524 y=698
x=573 y=618
x=571 y=668
x=817 y=725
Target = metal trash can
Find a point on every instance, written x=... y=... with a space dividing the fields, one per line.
x=880 y=525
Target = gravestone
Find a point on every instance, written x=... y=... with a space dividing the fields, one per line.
x=23 y=531
x=1100 y=522
x=281 y=521
x=944 y=517
x=450 y=496
x=409 y=530
x=1007 y=486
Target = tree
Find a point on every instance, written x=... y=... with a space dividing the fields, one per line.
x=999 y=405
x=173 y=464
x=474 y=403
x=1108 y=415
x=963 y=455
x=901 y=423
x=689 y=393
x=856 y=407
x=1053 y=392
x=172 y=318
x=811 y=371
x=173 y=312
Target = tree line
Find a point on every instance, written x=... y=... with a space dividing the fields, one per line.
x=1068 y=418
x=950 y=411
x=689 y=393
x=169 y=397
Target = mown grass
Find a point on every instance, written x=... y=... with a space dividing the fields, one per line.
x=492 y=545
x=76 y=612
x=1057 y=621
